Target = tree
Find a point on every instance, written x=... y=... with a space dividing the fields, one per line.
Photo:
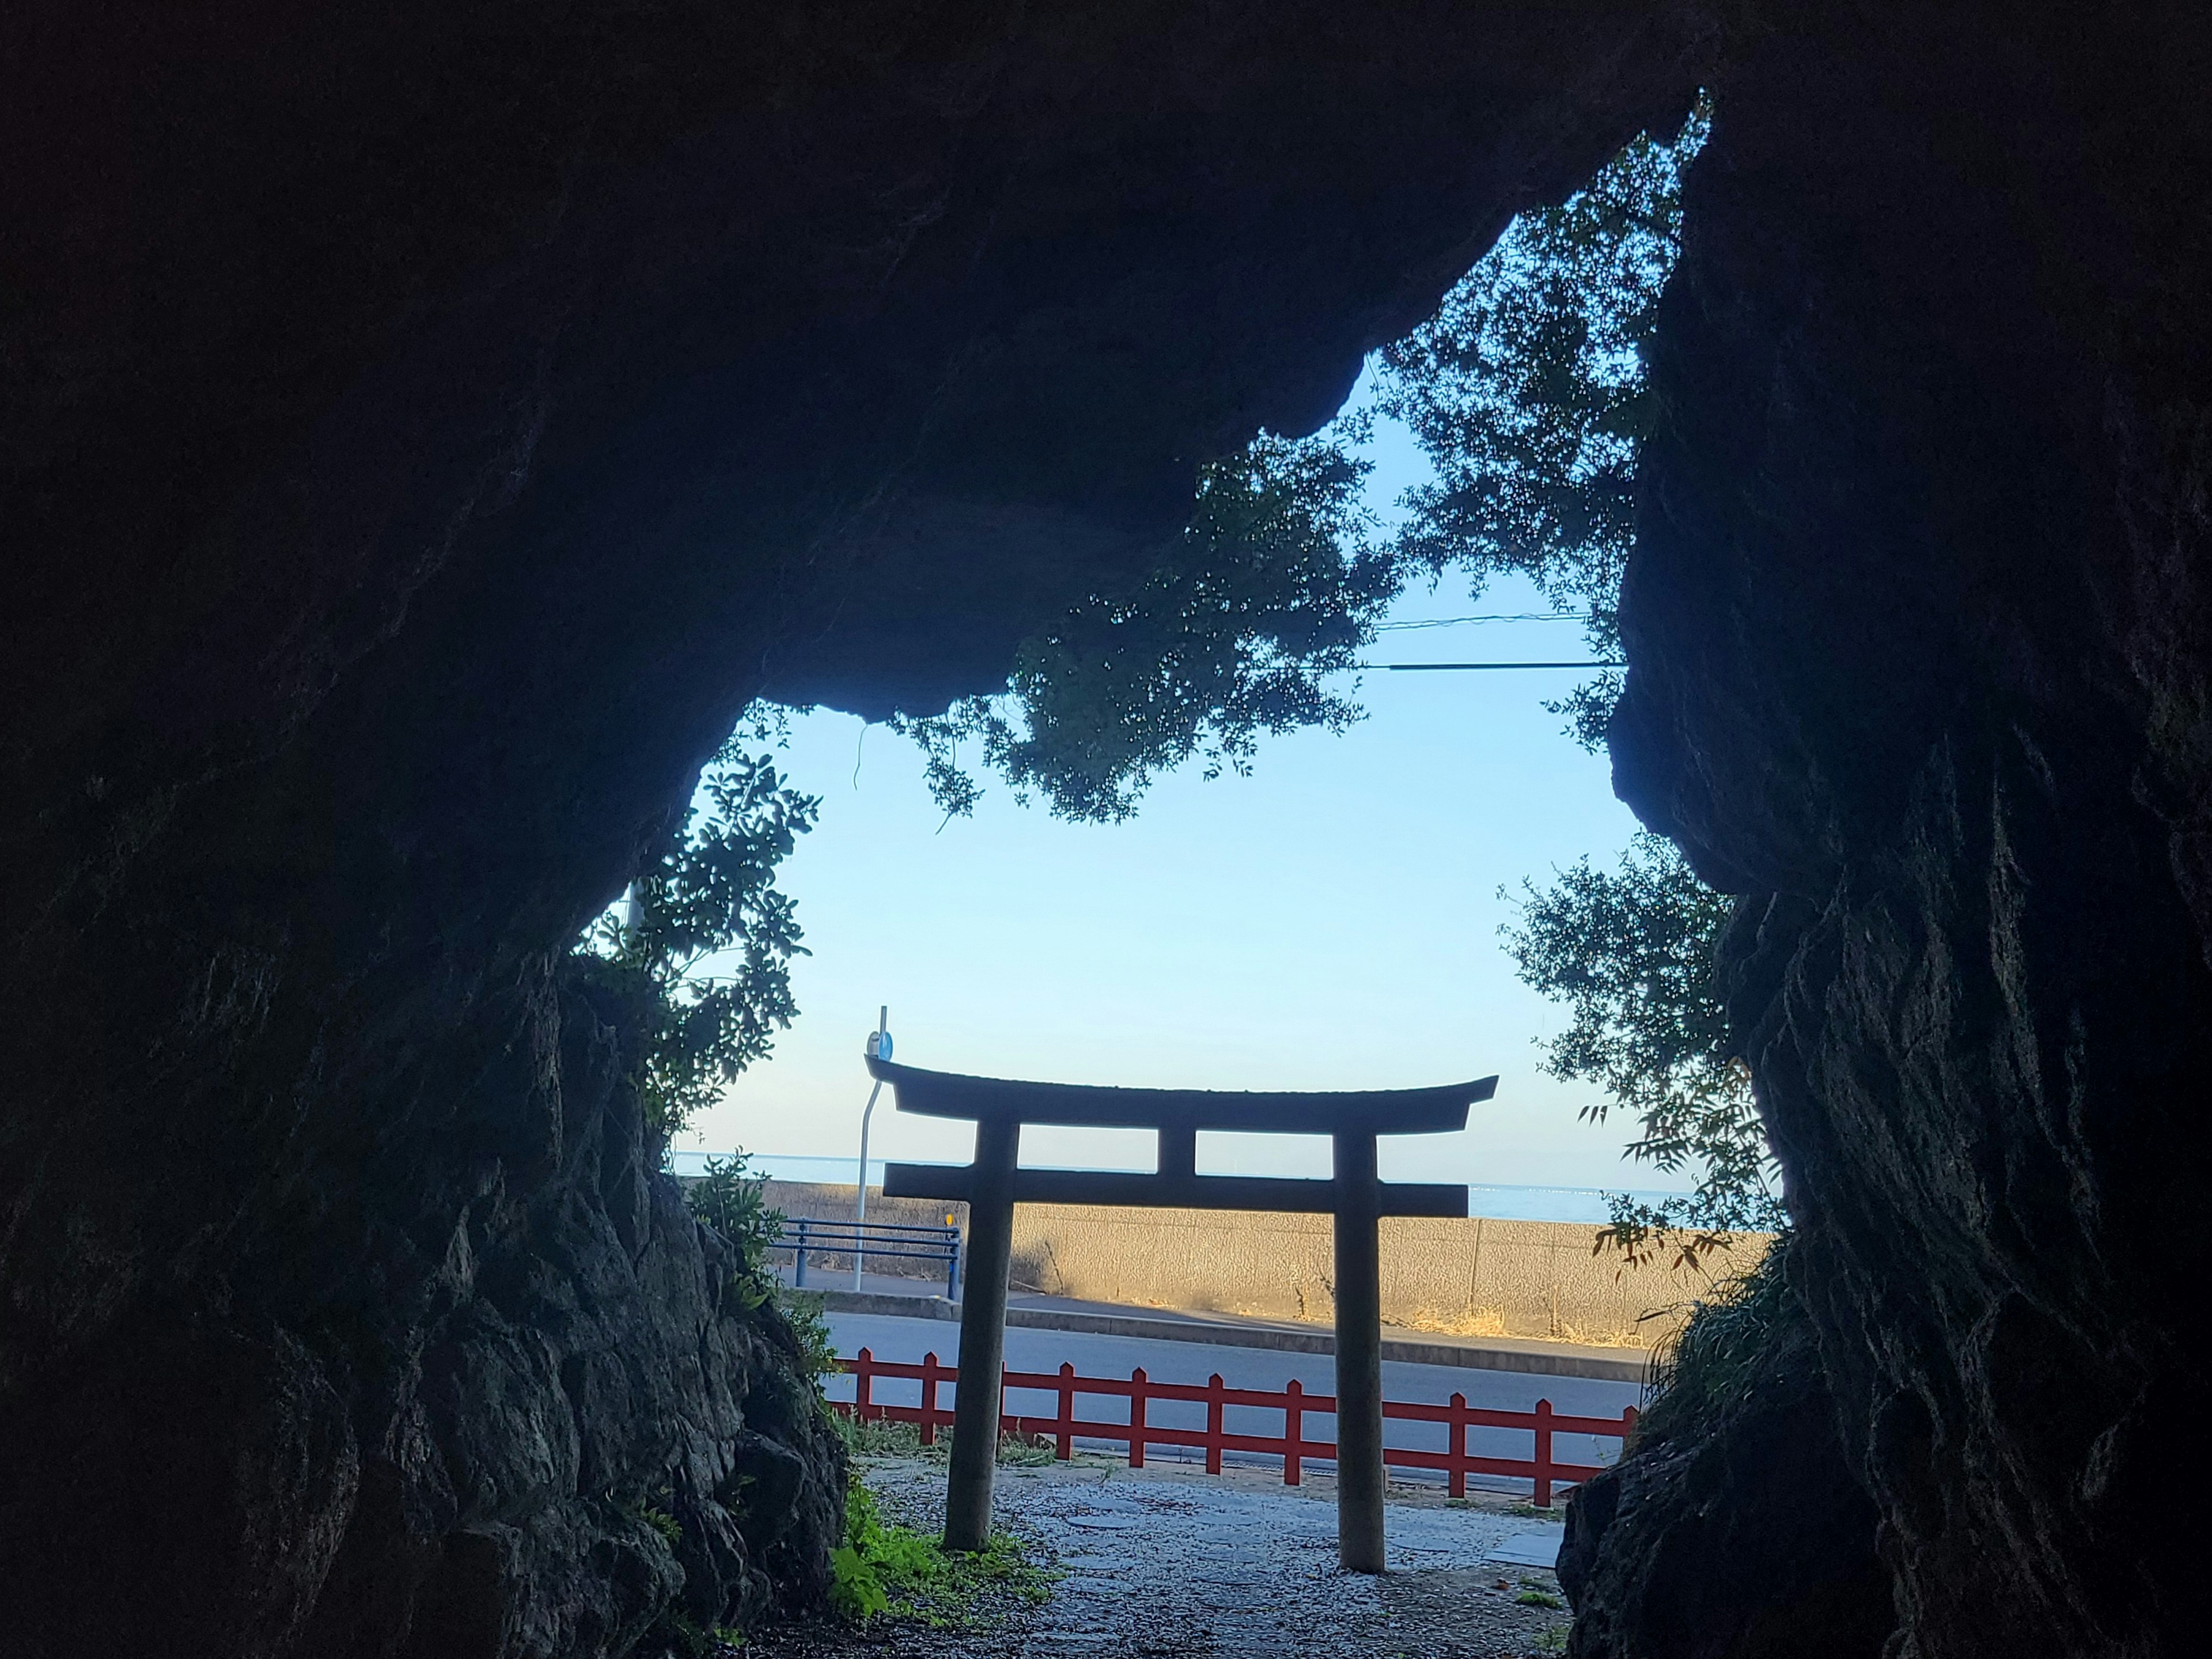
x=1274 y=585
x=1527 y=390
x=708 y=897
x=1631 y=953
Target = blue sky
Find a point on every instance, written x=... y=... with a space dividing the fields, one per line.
x=1330 y=921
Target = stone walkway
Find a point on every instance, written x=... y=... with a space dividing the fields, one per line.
x=1169 y=1561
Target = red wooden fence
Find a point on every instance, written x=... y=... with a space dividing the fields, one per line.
x=1063 y=1428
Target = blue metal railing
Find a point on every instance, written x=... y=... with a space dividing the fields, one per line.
x=872 y=1241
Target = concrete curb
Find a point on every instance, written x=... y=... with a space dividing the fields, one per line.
x=1539 y=1359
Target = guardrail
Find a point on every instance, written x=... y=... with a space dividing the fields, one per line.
x=871 y=1240
x=1542 y=1470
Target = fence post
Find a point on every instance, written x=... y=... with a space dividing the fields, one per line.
x=1542 y=1498
x=1064 y=1430
x=1215 y=1412
x=1294 y=1410
x=1137 y=1418
x=1456 y=1448
x=929 y=1373
x=951 y=1264
x=1627 y=1426
x=864 y=1373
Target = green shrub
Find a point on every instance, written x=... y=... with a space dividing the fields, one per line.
x=659 y=1519
x=817 y=1349
x=889 y=1570
x=729 y=1198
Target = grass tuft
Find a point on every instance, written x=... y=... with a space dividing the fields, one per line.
x=882 y=1437
x=883 y=1569
x=1733 y=1337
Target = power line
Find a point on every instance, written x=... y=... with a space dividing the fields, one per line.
x=1471 y=668
x=1494 y=617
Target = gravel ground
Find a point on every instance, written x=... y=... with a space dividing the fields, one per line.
x=1167 y=1560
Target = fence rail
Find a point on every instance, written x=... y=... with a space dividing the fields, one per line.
x=1542 y=1470
x=873 y=1241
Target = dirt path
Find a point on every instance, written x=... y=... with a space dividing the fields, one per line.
x=1169 y=1561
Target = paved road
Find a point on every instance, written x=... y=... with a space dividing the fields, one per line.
x=906 y=1340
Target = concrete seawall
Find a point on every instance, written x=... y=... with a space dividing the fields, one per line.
x=1475 y=1278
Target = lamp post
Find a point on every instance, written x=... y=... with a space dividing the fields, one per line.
x=879 y=1047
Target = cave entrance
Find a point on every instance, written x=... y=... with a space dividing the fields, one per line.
x=1328 y=930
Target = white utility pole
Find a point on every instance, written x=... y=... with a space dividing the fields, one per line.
x=879 y=1047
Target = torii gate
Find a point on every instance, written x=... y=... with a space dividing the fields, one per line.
x=994 y=1183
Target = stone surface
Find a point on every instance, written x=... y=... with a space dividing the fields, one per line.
x=1918 y=629
x=468 y=1460
x=1736 y=1527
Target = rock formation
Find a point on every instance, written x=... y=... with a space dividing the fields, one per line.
x=1737 y=1526
x=1918 y=627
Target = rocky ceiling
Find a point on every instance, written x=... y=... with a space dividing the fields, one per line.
x=426 y=426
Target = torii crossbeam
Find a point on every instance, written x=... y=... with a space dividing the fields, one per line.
x=994 y=1183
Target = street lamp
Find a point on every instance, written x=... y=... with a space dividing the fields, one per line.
x=879 y=1047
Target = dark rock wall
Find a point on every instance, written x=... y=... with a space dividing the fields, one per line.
x=424 y=428
x=1737 y=1528
x=1917 y=623
x=430 y=1415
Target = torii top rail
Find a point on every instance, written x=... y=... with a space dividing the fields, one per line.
x=994 y=1183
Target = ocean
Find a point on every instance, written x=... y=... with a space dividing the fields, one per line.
x=1499 y=1202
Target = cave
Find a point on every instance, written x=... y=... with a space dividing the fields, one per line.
x=426 y=427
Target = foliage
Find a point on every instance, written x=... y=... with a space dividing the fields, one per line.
x=817 y=1349
x=1273 y=586
x=708 y=895
x=1028 y=1451
x=730 y=1199
x=884 y=1437
x=1749 y=1327
x=660 y=1520
x=856 y=1588
x=878 y=1437
x=887 y=1569
x=1630 y=952
x=676 y=1633
x=1527 y=389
